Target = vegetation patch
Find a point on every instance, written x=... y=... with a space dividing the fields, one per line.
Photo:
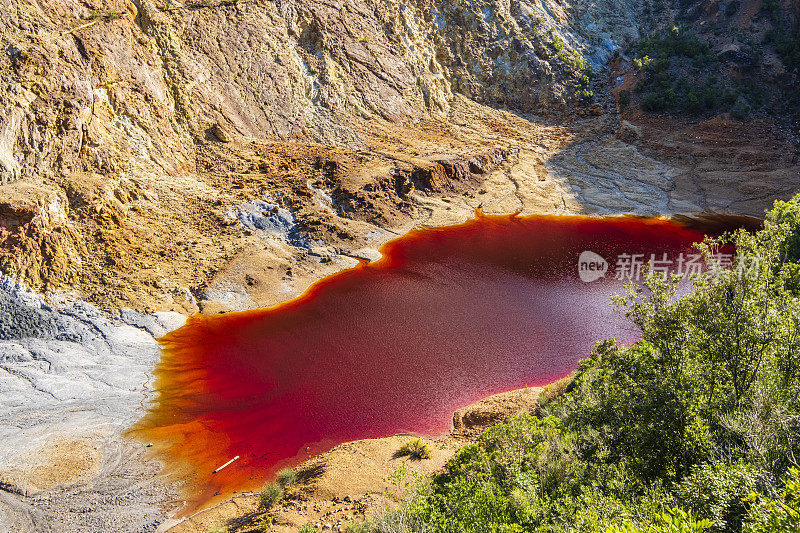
x=696 y=427
x=270 y=495
x=680 y=73
x=415 y=449
x=579 y=69
x=286 y=478
x=787 y=45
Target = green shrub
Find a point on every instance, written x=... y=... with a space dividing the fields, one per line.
x=308 y=528
x=286 y=477
x=415 y=448
x=717 y=491
x=653 y=101
x=693 y=102
x=640 y=62
x=778 y=513
x=270 y=495
x=624 y=98
x=364 y=526
x=672 y=521
x=771 y=6
x=264 y=523
x=740 y=110
x=676 y=43
x=711 y=96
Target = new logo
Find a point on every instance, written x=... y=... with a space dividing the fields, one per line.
x=591 y=266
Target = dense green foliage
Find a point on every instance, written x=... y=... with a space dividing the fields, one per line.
x=680 y=73
x=694 y=428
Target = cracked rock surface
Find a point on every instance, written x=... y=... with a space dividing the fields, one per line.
x=72 y=378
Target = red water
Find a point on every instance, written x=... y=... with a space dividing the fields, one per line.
x=446 y=317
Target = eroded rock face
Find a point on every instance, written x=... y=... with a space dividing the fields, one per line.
x=146 y=121
x=129 y=130
x=114 y=85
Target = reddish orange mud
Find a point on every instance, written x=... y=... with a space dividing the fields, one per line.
x=446 y=317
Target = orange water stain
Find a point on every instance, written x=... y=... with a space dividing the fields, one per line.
x=447 y=316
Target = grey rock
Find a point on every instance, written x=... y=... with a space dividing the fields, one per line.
x=70 y=373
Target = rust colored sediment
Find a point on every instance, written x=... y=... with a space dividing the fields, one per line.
x=447 y=316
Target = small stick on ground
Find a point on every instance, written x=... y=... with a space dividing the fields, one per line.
x=226 y=464
x=82 y=26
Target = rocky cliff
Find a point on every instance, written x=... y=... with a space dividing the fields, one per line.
x=129 y=130
x=134 y=134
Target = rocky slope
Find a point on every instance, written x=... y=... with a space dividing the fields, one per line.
x=134 y=133
x=131 y=130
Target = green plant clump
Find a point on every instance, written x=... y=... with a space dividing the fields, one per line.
x=286 y=478
x=416 y=449
x=270 y=495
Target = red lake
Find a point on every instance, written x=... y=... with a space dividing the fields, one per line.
x=447 y=316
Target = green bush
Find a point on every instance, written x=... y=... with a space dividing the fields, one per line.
x=364 y=526
x=677 y=43
x=717 y=491
x=308 y=528
x=653 y=101
x=286 y=477
x=415 y=448
x=672 y=521
x=693 y=102
x=773 y=514
x=740 y=110
x=270 y=495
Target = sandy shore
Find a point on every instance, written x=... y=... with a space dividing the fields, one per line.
x=353 y=479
